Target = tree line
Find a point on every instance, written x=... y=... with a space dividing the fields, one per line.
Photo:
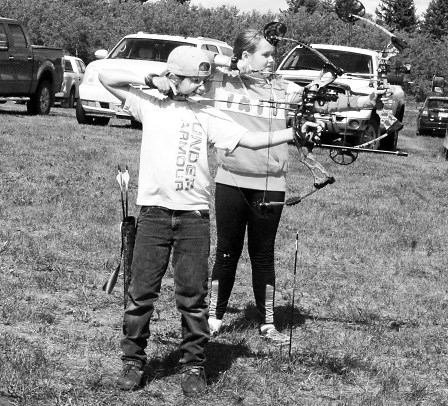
x=81 y=27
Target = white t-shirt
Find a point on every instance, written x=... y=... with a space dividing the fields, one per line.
x=174 y=171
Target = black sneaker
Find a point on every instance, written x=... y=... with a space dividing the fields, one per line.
x=130 y=377
x=193 y=381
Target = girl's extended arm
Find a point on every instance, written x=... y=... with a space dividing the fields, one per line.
x=261 y=139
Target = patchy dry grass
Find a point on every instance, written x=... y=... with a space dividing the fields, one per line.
x=370 y=326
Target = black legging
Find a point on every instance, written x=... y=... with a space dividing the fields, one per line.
x=235 y=209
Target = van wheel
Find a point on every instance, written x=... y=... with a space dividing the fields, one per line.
x=81 y=114
x=40 y=102
x=100 y=120
x=71 y=98
x=90 y=120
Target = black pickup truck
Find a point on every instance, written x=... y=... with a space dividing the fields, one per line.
x=28 y=72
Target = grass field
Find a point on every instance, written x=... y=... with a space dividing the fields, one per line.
x=371 y=319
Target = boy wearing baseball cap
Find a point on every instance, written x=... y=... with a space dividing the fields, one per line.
x=174 y=193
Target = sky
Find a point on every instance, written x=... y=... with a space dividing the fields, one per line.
x=274 y=5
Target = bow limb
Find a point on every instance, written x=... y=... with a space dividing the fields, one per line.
x=398 y=43
x=304 y=141
x=321 y=176
x=350 y=11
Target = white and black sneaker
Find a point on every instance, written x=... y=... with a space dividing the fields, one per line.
x=270 y=333
x=215 y=326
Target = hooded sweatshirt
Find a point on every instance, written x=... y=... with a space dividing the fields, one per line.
x=246 y=99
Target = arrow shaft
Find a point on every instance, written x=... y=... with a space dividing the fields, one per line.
x=368 y=150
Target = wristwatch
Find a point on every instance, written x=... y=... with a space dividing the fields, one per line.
x=233 y=63
x=149 y=82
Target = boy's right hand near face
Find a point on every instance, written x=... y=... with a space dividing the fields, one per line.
x=164 y=85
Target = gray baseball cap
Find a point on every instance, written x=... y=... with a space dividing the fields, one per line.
x=189 y=61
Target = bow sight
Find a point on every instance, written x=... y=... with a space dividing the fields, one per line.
x=349 y=11
x=274 y=32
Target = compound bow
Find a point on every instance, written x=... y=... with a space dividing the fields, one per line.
x=306 y=137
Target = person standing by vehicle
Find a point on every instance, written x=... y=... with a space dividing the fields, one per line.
x=173 y=193
x=246 y=177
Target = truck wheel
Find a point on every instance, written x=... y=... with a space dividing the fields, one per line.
x=370 y=133
x=40 y=102
x=71 y=98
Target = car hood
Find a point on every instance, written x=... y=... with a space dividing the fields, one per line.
x=134 y=65
x=356 y=84
x=130 y=64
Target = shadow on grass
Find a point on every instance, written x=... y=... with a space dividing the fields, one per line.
x=220 y=356
x=13 y=112
x=285 y=317
x=158 y=368
x=282 y=318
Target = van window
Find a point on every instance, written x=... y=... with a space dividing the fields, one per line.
x=81 y=66
x=129 y=48
x=226 y=51
x=18 y=37
x=68 y=66
x=211 y=48
x=3 y=37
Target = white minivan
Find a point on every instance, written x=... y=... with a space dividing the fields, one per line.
x=141 y=52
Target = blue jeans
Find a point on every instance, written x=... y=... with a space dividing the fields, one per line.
x=186 y=234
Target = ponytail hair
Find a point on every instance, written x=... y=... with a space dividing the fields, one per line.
x=246 y=41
